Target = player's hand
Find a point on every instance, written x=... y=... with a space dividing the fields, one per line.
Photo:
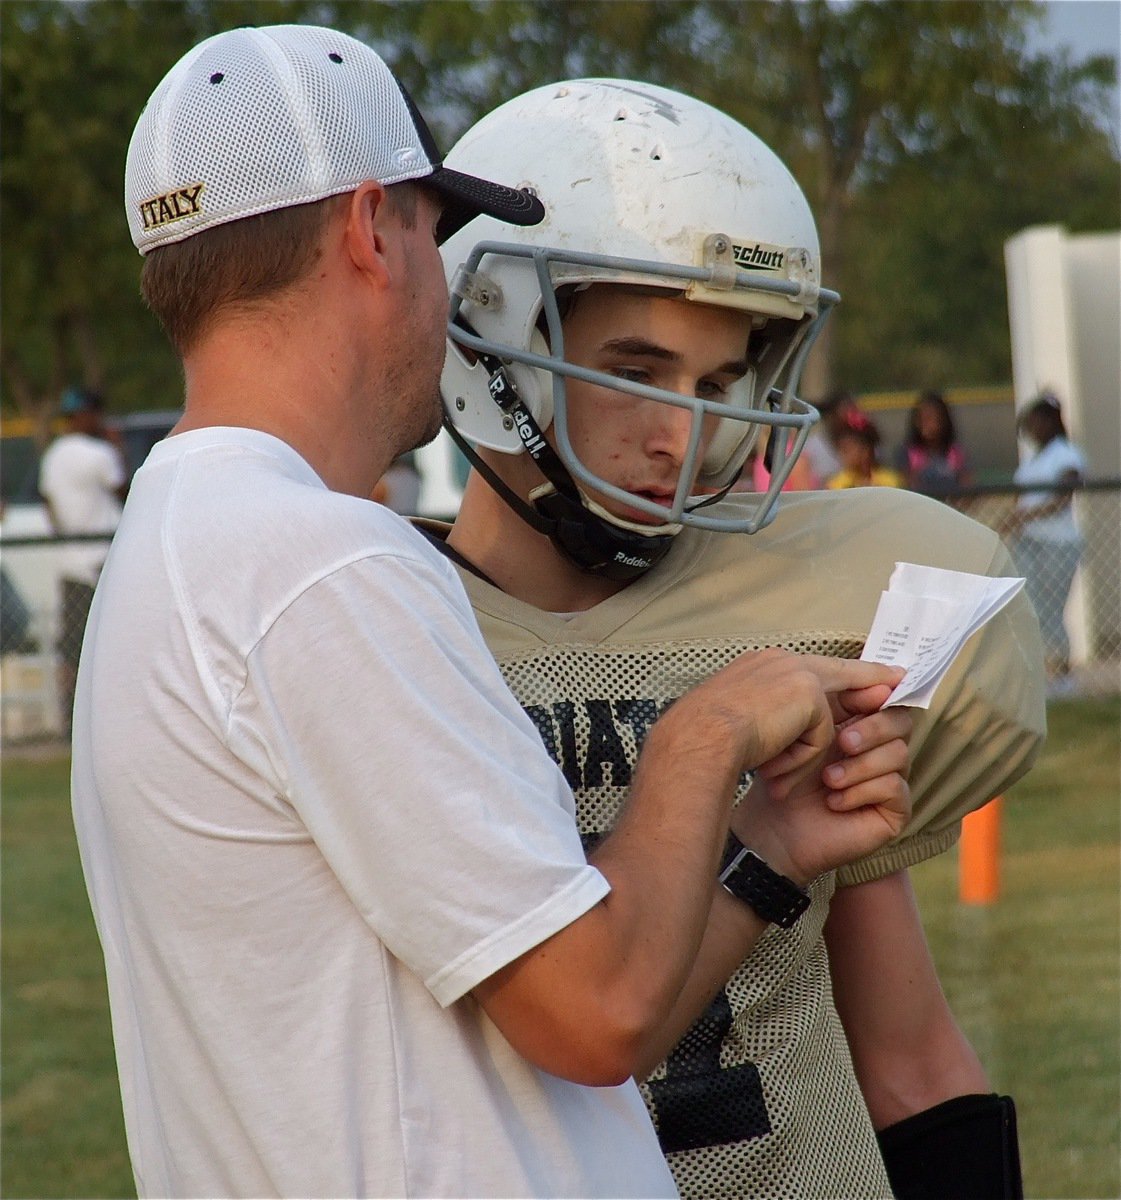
x=804 y=824
x=869 y=751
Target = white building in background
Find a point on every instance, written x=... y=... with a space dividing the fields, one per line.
x=1064 y=309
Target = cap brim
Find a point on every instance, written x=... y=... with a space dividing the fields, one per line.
x=466 y=197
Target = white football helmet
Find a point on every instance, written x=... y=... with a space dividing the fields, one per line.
x=641 y=186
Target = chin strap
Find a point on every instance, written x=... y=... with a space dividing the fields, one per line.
x=558 y=511
x=964 y=1149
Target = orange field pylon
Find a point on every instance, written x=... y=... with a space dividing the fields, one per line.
x=979 y=856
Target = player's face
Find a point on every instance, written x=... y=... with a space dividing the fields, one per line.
x=855 y=453
x=663 y=342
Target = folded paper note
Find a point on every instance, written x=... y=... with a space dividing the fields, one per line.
x=924 y=619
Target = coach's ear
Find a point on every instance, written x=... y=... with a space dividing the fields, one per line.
x=368 y=231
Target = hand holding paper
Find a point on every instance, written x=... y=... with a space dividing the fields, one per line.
x=924 y=619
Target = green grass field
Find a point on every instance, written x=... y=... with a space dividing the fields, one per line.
x=1034 y=978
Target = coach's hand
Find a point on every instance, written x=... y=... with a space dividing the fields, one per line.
x=774 y=707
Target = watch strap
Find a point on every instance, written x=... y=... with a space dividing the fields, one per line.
x=772 y=896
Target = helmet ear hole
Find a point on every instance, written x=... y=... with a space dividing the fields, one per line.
x=535 y=385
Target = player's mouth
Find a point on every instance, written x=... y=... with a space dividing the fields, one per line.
x=663 y=497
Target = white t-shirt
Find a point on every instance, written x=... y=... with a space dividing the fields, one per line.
x=1048 y=465
x=312 y=818
x=79 y=476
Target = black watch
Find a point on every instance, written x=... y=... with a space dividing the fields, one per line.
x=747 y=877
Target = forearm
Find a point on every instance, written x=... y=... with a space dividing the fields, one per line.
x=870 y=773
x=937 y=1067
x=731 y=934
x=907 y=1049
x=671 y=835
x=622 y=966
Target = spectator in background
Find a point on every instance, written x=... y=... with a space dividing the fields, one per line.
x=83 y=481
x=1046 y=542
x=931 y=459
x=802 y=477
x=820 y=450
x=857 y=442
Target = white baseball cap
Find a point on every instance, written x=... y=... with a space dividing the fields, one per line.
x=253 y=120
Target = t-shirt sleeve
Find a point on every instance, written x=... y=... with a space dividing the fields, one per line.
x=376 y=708
x=981 y=733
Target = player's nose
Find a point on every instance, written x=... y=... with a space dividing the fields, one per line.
x=669 y=432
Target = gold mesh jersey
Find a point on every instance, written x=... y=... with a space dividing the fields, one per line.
x=760 y=1098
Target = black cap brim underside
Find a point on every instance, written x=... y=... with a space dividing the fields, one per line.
x=466 y=197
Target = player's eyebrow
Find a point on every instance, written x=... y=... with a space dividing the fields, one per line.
x=641 y=347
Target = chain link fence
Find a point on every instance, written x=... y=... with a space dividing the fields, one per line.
x=43 y=618
x=43 y=615
x=1074 y=585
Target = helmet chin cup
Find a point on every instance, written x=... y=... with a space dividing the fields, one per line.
x=595 y=544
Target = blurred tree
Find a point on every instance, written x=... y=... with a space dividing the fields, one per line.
x=75 y=76
x=926 y=296
x=922 y=130
x=865 y=99
x=467 y=57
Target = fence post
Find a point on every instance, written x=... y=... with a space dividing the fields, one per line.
x=979 y=856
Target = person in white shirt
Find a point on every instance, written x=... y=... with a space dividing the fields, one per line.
x=82 y=479
x=1047 y=543
x=353 y=944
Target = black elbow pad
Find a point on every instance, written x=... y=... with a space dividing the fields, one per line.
x=963 y=1149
